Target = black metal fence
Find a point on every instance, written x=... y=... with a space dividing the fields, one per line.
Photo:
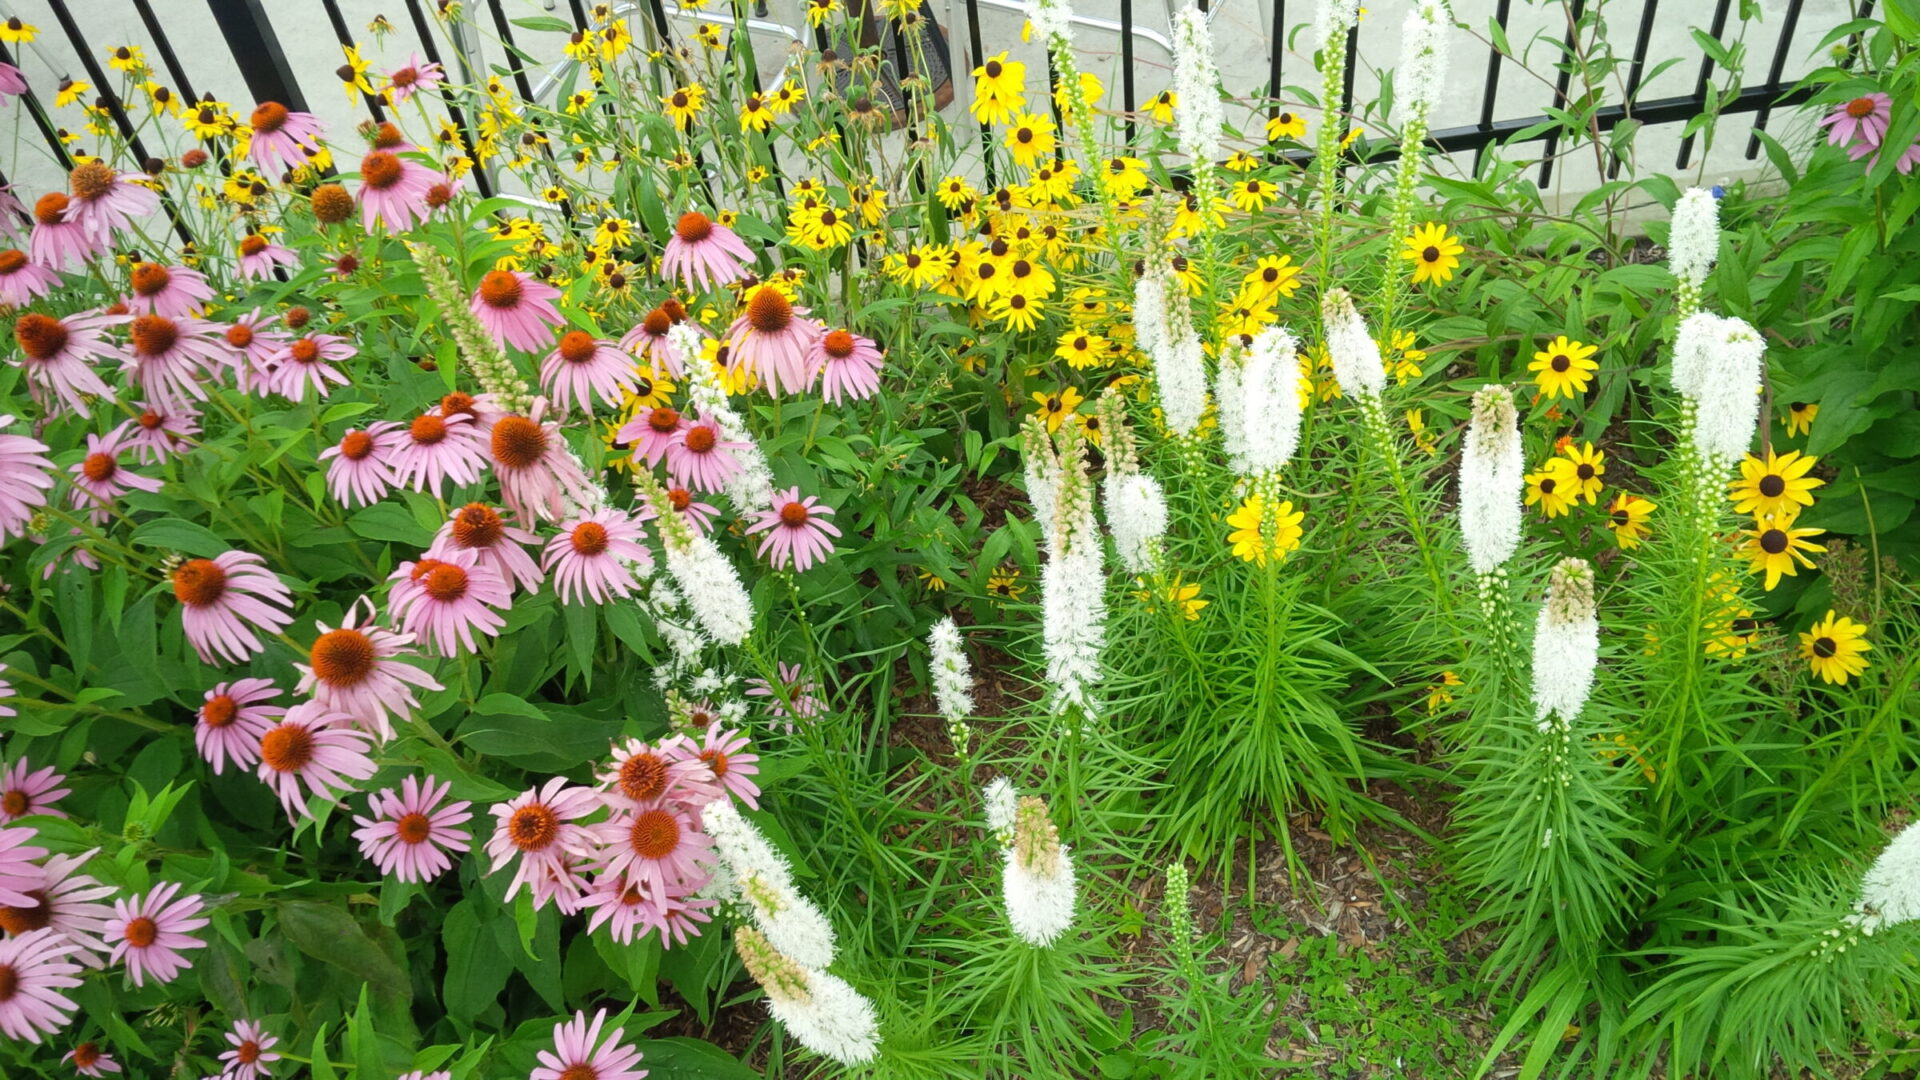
x=252 y=33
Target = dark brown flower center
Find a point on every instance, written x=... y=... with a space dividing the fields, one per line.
x=219 y=711
x=1860 y=107
x=769 y=312
x=1584 y=471
x=331 y=203
x=22 y=920
x=518 y=442
x=577 y=347
x=693 y=227
x=413 y=828
x=15 y=803
x=1825 y=647
x=533 y=827
x=304 y=350
x=1430 y=253
x=199 y=582
x=40 y=336
x=1561 y=362
x=664 y=420
x=150 y=279
x=247 y=1052
x=700 y=440
x=269 y=117
x=1773 y=541
x=679 y=498
x=12 y=260
x=445 y=582
x=793 y=514
x=654 y=834
x=252 y=244
x=500 y=289
x=287 y=748
x=1772 y=484
x=356 y=445
x=643 y=777
x=153 y=334
x=838 y=344
x=90 y=180
x=427 y=429
x=380 y=170
x=590 y=538
x=99 y=468
x=343 y=657
x=85 y=1055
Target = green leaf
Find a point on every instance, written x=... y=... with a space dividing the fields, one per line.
x=174 y=534
x=547 y=23
x=390 y=521
x=476 y=972
x=690 y=1059
x=332 y=936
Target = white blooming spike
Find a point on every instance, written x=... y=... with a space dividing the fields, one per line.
x=1890 y=892
x=1350 y=346
x=1694 y=241
x=1492 y=480
x=1566 y=645
x=1717 y=364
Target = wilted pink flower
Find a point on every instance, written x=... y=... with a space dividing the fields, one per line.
x=102 y=200
x=773 y=340
x=1864 y=118
x=704 y=253
x=578 y=1051
x=394 y=190
x=794 y=687
x=516 y=308
x=643 y=775
x=537 y=473
x=478 y=528
x=26 y=475
x=25 y=790
x=541 y=826
x=308 y=361
x=725 y=755
x=1903 y=164
x=361 y=472
x=650 y=434
x=89 y=1060
x=590 y=556
x=413 y=77
x=22 y=279
x=37 y=965
x=580 y=368
x=436 y=448
x=410 y=833
x=159 y=431
x=797 y=530
x=166 y=356
x=67 y=903
x=283 y=135
x=12 y=83
x=150 y=932
x=316 y=746
x=58 y=242
x=231 y=720
x=58 y=354
x=251 y=1054
x=849 y=366
x=355 y=669
x=100 y=478
x=223 y=600
x=173 y=291
x=259 y=256
x=20 y=872
x=443 y=601
x=701 y=457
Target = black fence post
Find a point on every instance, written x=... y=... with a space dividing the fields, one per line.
x=256 y=51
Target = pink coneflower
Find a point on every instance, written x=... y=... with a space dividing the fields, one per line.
x=657 y=847
x=1903 y=164
x=694 y=512
x=478 y=528
x=394 y=190
x=57 y=242
x=6 y=693
x=22 y=279
x=231 y=720
x=150 y=932
x=443 y=601
x=101 y=477
x=772 y=339
x=516 y=308
x=704 y=253
x=651 y=434
x=537 y=473
x=281 y=133
x=308 y=361
x=797 y=530
x=173 y=291
x=355 y=669
x=13 y=217
x=590 y=557
x=1864 y=118
x=252 y=1051
x=796 y=688
x=20 y=873
x=25 y=791
x=540 y=825
x=316 y=746
x=438 y=447
x=57 y=355
x=580 y=368
x=259 y=256
x=26 y=475
x=410 y=833
x=421 y=1074
x=158 y=431
x=222 y=601
x=77 y=555
x=849 y=366
x=621 y=907
x=413 y=77
x=254 y=344
x=579 y=1053
x=360 y=472
x=89 y=1060
x=725 y=755
x=102 y=200
x=34 y=968
x=643 y=775
x=701 y=458
x=12 y=83
x=648 y=340
x=678 y=918
x=165 y=355
x=67 y=903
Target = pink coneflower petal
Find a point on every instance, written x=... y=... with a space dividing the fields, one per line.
x=314 y=748
x=702 y=458
x=479 y=528
x=168 y=356
x=797 y=530
x=394 y=191
x=704 y=253
x=259 y=257
x=58 y=243
x=37 y=965
x=592 y=555
x=773 y=340
x=68 y=903
x=725 y=754
x=174 y=291
x=436 y=449
x=26 y=475
x=849 y=366
x=102 y=476
x=159 y=431
x=22 y=280
x=25 y=791
x=282 y=135
x=644 y=775
x=412 y=77
x=355 y=669
x=537 y=473
x=151 y=933
x=88 y=1059
x=231 y=719
x=410 y=834
x=649 y=341
x=252 y=346
x=223 y=600
x=251 y=1052
x=20 y=872
x=541 y=827
x=581 y=368
x=103 y=201
x=796 y=688
x=651 y=434
x=517 y=309
x=307 y=362
x=360 y=472
x=580 y=1051
x=444 y=600
x=58 y=356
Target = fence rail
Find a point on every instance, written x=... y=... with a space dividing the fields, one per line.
x=253 y=37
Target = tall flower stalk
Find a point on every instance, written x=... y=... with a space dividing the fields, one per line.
x=482 y=354
x=1422 y=74
x=1331 y=21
